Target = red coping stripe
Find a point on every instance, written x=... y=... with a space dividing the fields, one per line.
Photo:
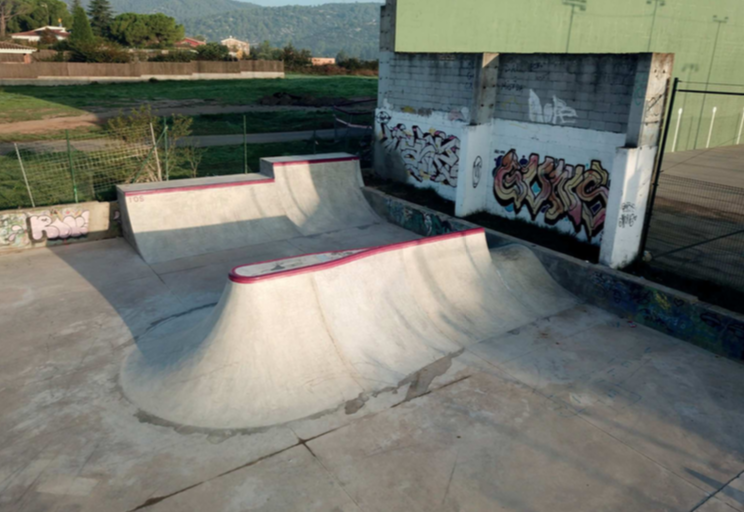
x=319 y=161
x=198 y=187
x=365 y=253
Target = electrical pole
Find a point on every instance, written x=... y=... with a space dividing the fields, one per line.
x=657 y=4
x=581 y=4
x=719 y=22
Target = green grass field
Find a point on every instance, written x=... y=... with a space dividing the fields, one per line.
x=33 y=103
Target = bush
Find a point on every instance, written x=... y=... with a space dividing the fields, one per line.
x=177 y=56
x=213 y=51
x=99 y=52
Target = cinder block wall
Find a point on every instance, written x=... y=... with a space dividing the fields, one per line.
x=535 y=137
x=586 y=91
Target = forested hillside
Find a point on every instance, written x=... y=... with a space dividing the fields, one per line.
x=324 y=29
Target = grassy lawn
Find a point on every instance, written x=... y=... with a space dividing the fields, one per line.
x=31 y=103
x=262 y=122
x=17 y=105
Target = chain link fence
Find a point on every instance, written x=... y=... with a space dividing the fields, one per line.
x=86 y=168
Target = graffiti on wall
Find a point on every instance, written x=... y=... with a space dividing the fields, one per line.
x=477 y=171
x=418 y=221
x=555 y=112
x=427 y=155
x=59 y=224
x=553 y=191
x=13 y=230
x=18 y=230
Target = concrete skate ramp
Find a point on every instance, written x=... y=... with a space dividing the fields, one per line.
x=292 y=197
x=300 y=336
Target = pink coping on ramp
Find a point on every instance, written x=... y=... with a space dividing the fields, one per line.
x=319 y=161
x=306 y=263
x=198 y=187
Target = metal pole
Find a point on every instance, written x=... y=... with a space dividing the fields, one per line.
x=676 y=132
x=570 y=26
x=712 y=122
x=738 y=138
x=155 y=149
x=710 y=73
x=245 y=144
x=25 y=179
x=167 y=151
x=657 y=170
x=72 y=167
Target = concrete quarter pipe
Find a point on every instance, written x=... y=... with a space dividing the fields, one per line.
x=300 y=336
x=292 y=197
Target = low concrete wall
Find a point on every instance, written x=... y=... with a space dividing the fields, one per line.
x=660 y=308
x=58 y=225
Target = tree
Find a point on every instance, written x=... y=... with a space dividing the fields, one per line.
x=10 y=9
x=40 y=13
x=100 y=17
x=213 y=51
x=153 y=30
x=81 y=31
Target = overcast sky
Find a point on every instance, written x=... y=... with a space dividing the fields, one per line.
x=273 y=3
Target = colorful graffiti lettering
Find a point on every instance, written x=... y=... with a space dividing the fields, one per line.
x=59 y=225
x=553 y=190
x=427 y=156
x=13 y=231
x=557 y=112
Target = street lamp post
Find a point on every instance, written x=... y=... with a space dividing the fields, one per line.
x=581 y=4
x=656 y=4
x=719 y=22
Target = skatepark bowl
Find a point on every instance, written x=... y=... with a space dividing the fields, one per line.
x=269 y=343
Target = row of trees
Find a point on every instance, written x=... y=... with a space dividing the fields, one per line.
x=127 y=29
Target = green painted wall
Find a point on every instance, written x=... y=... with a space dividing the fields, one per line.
x=683 y=27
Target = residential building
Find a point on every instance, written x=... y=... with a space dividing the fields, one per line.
x=11 y=52
x=237 y=47
x=34 y=36
x=323 y=61
x=189 y=42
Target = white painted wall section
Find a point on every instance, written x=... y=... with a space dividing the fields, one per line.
x=631 y=184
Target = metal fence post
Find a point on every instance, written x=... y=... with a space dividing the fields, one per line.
x=72 y=167
x=167 y=149
x=245 y=144
x=25 y=178
x=155 y=149
x=657 y=170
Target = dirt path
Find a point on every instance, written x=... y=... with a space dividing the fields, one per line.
x=56 y=124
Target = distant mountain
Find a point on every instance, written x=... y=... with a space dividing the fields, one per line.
x=324 y=29
x=179 y=9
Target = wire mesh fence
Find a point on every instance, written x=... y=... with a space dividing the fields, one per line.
x=697 y=231
x=74 y=170
x=88 y=166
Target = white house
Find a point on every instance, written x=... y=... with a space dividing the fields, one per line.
x=11 y=52
x=34 y=36
x=237 y=47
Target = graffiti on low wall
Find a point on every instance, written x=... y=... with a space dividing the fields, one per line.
x=23 y=229
x=59 y=224
x=416 y=220
x=552 y=191
x=427 y=155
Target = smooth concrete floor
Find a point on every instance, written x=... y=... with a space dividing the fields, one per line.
x=583 y=411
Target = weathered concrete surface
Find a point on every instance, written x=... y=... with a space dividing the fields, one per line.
x=581 y=411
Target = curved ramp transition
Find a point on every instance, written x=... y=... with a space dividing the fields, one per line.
x=299 y=336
